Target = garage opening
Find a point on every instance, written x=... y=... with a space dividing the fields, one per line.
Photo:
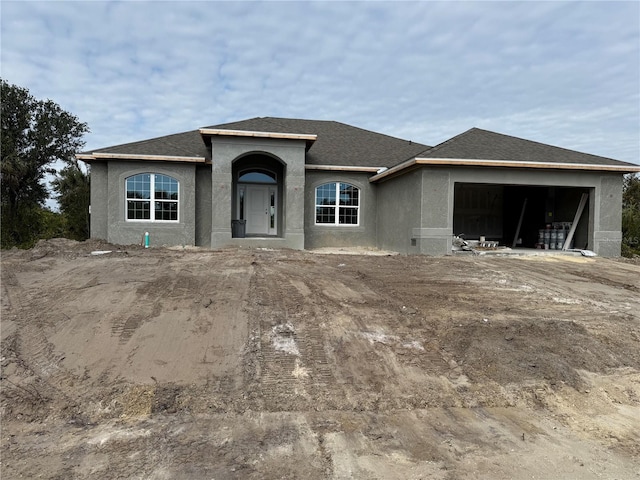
x=493 y=212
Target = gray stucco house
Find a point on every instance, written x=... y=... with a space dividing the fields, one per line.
x=276 y=182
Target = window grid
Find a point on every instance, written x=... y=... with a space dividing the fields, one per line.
x=164 y=198
x=337 y=204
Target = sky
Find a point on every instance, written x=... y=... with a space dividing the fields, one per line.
x=562 y=73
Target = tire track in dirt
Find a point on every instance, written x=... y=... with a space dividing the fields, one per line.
x=294 y=367
x=373 y=341
x=398 y=325
x=279 y=352
x=8 y=279
x=37 y=364
x=124 y=330
x=573 y=284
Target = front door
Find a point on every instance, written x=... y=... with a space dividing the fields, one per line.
x=260 y=209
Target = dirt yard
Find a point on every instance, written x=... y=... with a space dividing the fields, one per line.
x=262 y=364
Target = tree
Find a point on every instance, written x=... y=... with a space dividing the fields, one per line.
x=631 y=216
x=73 y=189
x=631 y=190
x=35 y=134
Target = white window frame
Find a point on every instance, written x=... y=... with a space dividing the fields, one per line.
x=151 y=200
x=337 y=206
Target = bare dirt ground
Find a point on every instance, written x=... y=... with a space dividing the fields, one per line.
x=252 y=364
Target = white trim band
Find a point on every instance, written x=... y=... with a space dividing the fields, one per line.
x=342 y=168
x=248 y=133
x=133 y=156
x=504 y=164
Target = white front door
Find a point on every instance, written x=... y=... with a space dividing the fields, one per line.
x=259 y=209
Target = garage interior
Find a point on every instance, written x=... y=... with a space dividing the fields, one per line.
x=494 y=212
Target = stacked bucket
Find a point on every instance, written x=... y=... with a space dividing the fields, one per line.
x=553 y=237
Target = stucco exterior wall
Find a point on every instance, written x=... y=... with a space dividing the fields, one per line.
x=399 y=203
x=608 y=234
x=203 y=205
x=225 y=150
x=434 y=234
x=362 y=235
x=432 y=231
x=410 y=213
x=123 y=232
x=98 y=223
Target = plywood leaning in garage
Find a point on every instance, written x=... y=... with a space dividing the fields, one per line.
x=572 y=231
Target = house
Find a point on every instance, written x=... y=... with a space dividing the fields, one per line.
x=276 y=182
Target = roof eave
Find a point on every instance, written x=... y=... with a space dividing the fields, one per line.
x=308 y=138
x=462 y=162
x=90 y=157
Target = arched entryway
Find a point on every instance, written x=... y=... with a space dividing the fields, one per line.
x=257 y=197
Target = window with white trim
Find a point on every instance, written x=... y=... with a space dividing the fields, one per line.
x=337 y=203
x=152 y=197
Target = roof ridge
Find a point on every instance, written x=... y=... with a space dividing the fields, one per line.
x=274 y=120
x=424 y=152
x=378 y=133
x=448 y=141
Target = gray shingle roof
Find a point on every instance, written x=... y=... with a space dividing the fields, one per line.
x=481 y=144
x=337 y=143
x=186 y=144
x=344 y=145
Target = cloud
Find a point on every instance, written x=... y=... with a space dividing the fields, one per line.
x=555 y=72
